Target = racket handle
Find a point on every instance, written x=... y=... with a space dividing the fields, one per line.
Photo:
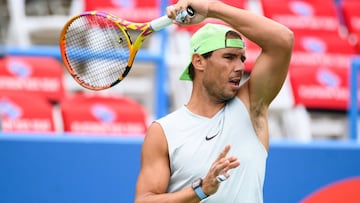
x=164 y=21
x=160 y=23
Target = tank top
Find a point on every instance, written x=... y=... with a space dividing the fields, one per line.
x=194 y=143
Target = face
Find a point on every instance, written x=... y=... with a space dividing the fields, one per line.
x=222 y=73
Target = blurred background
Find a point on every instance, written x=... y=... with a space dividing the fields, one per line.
x=53 y=130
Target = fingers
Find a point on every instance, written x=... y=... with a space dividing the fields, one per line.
x=223 y=164
x=223 y=153
x=171 y=11
x=229 y=163
x=179 y=13
x=199 y=11
x=219 y=171
x=226 y=164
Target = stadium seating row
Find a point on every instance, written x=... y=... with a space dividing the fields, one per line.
x=326 y=38
x=319 y=70
x=75 y=114
x=33 y=98
x=326 y=33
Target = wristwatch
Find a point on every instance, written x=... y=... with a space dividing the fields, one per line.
x=196 y=186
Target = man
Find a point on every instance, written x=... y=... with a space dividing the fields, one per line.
x=186 y=155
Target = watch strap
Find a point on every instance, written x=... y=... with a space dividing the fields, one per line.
x=200 y=193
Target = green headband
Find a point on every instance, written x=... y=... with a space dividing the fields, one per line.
x=210 y=38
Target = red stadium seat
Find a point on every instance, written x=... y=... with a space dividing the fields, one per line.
x=311 y=15
x=318 y=87
x=131 y=10
x=327 y=50
x=316 y=25
x=319 y=71
x=350 y=11
x=103 y=115
x=42 y=76
x=25 y=113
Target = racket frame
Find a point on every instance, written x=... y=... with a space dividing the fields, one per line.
x=145 y=30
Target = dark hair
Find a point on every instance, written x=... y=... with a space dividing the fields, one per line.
x=230 y=34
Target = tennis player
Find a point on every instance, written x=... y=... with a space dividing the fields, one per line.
x=214 y=148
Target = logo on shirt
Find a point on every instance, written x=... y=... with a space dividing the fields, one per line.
x=219 y=126
x=207 y=138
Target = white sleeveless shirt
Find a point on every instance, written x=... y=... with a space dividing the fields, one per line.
x=194 y=142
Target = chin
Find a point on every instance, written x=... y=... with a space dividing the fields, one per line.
x=228 y=97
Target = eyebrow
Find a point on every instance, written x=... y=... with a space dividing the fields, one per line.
x=242 y=55
x=233 y=54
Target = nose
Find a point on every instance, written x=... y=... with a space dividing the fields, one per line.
x=239 y=66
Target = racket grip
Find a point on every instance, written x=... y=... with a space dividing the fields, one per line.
x=160 y=23
x=164 y=21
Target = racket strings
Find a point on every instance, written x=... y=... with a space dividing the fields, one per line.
x=97 y=50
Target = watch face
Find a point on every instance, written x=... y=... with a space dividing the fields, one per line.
x=197 y=183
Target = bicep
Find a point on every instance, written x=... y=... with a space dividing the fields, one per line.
x=154 y=171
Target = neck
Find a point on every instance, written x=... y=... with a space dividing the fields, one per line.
x=204 y=106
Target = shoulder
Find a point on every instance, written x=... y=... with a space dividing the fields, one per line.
x=156 y=131
x=155 y=140
x=172 y=117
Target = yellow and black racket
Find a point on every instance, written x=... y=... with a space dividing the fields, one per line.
x=97 y=49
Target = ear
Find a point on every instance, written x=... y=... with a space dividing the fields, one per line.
x=198 y=61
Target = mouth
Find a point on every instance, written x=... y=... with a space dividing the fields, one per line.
x=235 y=82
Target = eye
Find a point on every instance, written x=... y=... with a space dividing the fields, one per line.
x=243 y=59
x=230 y=56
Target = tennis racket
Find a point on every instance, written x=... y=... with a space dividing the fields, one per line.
x=97 y=49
